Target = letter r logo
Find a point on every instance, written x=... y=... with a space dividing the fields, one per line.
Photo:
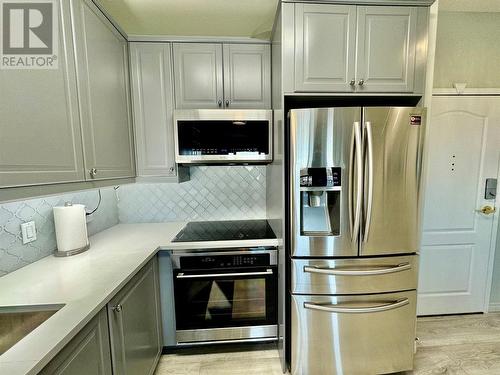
x=27 y=28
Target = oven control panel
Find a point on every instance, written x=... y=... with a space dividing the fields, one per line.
x=224 y=261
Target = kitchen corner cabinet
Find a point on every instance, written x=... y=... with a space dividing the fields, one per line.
x=57 y=125
x=135 y=324
x=88 y=353
x=102 y=75
x=153 y=104
x=40 y=136
x=355 y=49
x=214 y=75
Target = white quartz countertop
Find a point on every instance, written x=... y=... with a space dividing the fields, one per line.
x=84 y=284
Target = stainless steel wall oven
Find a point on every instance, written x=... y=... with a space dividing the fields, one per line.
x=225 y=295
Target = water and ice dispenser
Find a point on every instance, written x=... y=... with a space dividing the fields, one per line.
x=320 y=190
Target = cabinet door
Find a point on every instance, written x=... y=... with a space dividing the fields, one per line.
x=198 y=75
x=102 y=70
x=87 y=353
x=153 y=102
x=247 y=76
x=386 y=49
x=135 y=325
x=325 y=43
x=40 y=139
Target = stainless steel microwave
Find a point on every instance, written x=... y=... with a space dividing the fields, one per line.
x=223 y=136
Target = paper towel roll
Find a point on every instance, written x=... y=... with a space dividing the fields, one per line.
x=71 y=229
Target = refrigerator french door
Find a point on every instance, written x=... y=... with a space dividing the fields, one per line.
x=354 y=230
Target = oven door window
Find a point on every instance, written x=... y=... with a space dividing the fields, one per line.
x=209 y=301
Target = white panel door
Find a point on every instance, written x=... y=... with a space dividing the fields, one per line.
x=458 y=241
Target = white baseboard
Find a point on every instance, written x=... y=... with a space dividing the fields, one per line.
x=494 y=306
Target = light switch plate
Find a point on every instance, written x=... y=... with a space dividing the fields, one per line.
x=28 y=231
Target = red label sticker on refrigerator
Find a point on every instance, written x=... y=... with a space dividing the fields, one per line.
x=415 y=120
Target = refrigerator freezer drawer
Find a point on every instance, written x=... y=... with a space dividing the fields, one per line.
x=354 y=276
x=365 y=334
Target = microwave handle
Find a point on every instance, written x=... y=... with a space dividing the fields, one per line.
x=261 y=273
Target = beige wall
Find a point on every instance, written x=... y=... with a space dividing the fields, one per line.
x=468 y=49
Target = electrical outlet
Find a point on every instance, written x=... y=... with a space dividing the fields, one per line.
x=28 y=231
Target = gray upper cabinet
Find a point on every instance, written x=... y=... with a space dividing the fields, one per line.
x=386 y=49
x=198 y=75
x=356 y=49
x=325 y=47
x=40 y=139
x=247 y=76
x=102 y=73
x=212 y=75
x=153 y=103
x=88 y=353
x=135 y=324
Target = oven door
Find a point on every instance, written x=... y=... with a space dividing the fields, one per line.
x=223 y=305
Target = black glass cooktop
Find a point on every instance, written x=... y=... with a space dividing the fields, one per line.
x=225 y=231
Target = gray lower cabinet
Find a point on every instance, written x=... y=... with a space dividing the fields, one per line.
x=153 y=103
x=88 y=353
x=103 y=85
x=40 y=137
x=135 y=324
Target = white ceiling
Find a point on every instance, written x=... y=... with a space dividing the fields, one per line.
x=225 y=18
x=469 y=5
x=229 y=18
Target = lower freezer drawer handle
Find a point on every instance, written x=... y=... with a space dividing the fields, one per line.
x=196 y=276
x=356 y=310
x=358 y=272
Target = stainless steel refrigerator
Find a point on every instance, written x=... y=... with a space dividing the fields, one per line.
x=354 y=230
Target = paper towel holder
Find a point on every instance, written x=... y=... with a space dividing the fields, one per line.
x=68 y=253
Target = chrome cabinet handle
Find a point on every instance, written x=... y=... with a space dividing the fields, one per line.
x=358 y=272
x=361 y=82
x=356 y=310
x=171 y=169
x=183 y=276
x=369 y=159
x=219 y=103
x=227 y=103
x=93 y=172
x=352 y=82
x=118 y=308
x=356 y=160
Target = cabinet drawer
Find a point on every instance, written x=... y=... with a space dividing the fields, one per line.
x=354 y=276
x=365 y=334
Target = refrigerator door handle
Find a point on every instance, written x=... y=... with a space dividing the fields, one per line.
x=356 y=161
x=339 y=308
x=358 y=272
x=369 y=170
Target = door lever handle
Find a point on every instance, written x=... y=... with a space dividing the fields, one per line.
x=487 y=210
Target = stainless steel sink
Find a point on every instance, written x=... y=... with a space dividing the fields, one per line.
x=18 y=321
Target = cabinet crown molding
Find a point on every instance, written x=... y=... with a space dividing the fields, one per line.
x=422 y=3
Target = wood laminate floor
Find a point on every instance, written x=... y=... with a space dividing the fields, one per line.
x=466 y=344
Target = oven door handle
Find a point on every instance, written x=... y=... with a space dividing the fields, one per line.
x=197 y=276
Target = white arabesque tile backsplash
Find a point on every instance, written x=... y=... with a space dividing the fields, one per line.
x=212 y=193
x=14 y=255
